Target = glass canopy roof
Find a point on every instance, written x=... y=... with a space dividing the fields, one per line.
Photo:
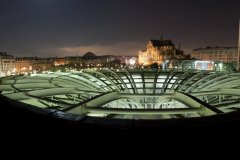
x=128 y=94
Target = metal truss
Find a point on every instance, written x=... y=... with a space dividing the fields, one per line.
x=136 y=93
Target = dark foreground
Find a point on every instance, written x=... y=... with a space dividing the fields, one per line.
x=17 y=118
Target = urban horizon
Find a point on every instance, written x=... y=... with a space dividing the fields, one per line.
x=70 y=28
x=81 y=53
x=121 y=64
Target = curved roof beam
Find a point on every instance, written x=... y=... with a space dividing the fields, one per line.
x=118 y=78
x=86 y=73
x=143 y=81
x=76 y=83
x=98 y=101
x=155 y=81
x=51 y=92
x=189 y=80
x=231 y=92
x=195 y=85
x=184 y=75
x=77 y=78
x=167 y=80
x=93 y=102
x=130 y=78
x=205 y=85
x=195 y=103
x=102 y=75
x=142 y=111
x=35 y=85
x=224 y=82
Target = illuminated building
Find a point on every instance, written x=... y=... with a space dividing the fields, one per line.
x=73 y=59
x=7 y=64
x=159 y=51
x=204 y=65
x=24 y=65
x=90 y=57
x=60 y=61
x=201 y=65
x=222 y=54
x=90 y=60
x=27 y=65
x=42 y=65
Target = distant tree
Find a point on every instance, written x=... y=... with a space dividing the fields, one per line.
x=116 y=61
x=188 y=56
x=154 y=65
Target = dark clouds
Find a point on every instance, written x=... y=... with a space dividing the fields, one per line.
x=45 y=27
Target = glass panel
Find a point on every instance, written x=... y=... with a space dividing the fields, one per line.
x=149 y=80
x=137 y=80
x=139 y=85
x=149 y=77
x=159 y=85
x=113 y=87
x=107 y=82
x=103 y=79
x=129 y=85
x=149 y=85
x=158 y=91
x=162 y=77
x=131 y=91
x=136 y=76
x=99 y=83
x=161 y=80
x=149 y=91
x=140 y=91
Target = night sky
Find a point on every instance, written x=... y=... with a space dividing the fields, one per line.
x=47 y=28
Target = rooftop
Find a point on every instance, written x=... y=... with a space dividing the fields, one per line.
x=89 y=54
x=128 y=94
x=160 y=43
x=214 y=48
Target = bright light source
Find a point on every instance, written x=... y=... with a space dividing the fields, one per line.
x=221 y=65
x=204 y=65
x=132 y=61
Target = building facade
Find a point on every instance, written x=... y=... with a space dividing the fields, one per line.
x=159 y=51
x=42 y=65
x=27 y=65
x=222 y=54
x=7 y=64
x=60 y=61
x=24 y=65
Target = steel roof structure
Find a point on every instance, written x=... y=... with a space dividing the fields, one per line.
x=129 y=94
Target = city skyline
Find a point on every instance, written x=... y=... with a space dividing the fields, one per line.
x=48 y=28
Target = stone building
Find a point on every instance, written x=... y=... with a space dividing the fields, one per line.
x=159 y=51
x=222 y=54
x=7 y=64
